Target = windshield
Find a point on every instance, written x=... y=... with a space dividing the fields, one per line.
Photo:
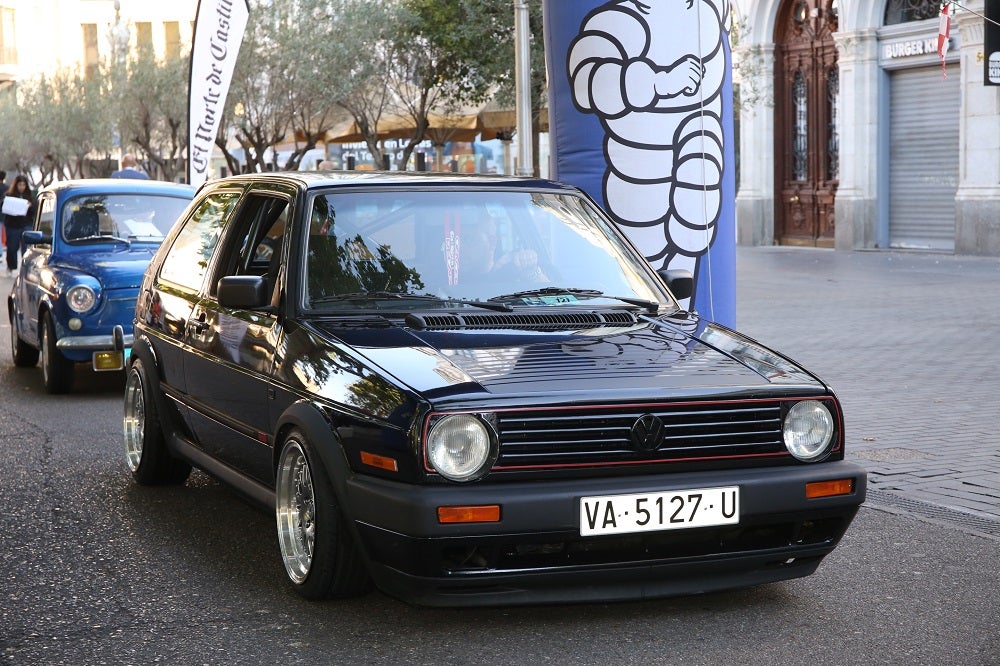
x=120 y=217
x=519 y=248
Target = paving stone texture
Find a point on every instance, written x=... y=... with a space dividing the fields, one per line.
x=911 y=345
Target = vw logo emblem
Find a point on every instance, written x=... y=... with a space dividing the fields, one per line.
x=646 y=433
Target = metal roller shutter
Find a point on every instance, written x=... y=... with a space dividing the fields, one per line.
x=923 y=157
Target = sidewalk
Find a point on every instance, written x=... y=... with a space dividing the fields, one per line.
x=910 y=343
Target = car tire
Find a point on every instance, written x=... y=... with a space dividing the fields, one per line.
x=24 y=355
x=319 y=553
x=57 y=370
x=146 y=451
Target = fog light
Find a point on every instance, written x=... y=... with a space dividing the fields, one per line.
x=74 y=324
x=108 y=360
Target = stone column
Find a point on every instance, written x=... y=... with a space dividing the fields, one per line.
x=977 y=202
x=857 y=200
x=755 y=198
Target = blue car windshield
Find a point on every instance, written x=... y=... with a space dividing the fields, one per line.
x=517 y=248
x=120 y=217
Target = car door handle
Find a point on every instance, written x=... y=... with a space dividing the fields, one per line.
x=199 y=325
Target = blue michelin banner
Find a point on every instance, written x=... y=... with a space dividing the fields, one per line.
x=641 y=118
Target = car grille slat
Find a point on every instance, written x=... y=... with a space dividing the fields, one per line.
x=603 y=435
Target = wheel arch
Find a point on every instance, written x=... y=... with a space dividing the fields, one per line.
x=317 y=427
x=44 y=308
x=320 y=431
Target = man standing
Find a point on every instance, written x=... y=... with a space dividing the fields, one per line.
x=130 y=168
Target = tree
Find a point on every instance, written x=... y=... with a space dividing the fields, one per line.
x=153 y=111
x=258 y=109
x=56 y=126
x=314 y=57
x=472 y=44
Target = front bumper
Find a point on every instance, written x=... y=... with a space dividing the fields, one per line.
x=535 y=554
x=106 y=352
x=90 y=342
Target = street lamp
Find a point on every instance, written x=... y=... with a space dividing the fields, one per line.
x=522 y=66
x=119 y=37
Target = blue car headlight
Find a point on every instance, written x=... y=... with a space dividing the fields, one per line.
x=81 y=299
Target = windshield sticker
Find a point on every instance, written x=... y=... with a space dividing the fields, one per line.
x=558 y=299
x=452 y=246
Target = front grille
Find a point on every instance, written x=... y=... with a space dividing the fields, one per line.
x=586 y=436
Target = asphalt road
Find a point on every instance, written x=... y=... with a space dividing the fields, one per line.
x=96 y=570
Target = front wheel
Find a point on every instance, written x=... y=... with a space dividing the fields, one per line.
x=57 y=370
x=145 y=448
x=318 y=551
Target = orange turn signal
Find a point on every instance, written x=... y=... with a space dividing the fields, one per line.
x=818 y=489
x=382 y=462
x=469 y=514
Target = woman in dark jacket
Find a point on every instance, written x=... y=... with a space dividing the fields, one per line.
x=14 y=225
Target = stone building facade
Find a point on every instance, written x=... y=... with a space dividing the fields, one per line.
x=855 y=134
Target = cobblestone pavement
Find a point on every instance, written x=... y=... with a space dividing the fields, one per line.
x=910 y=342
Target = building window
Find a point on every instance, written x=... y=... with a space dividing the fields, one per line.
x=144 y=35
x=800 y=140
x=8 y=47
x=903 y=11
x=833 y=131
x=91 y=56
x=172 y=39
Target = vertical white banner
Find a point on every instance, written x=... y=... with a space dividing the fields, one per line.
x=218 y=33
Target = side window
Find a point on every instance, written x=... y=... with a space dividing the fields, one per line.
x=46 y=216
x=188 y=257
x=256 y=239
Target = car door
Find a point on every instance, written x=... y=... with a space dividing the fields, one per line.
x=164 y=306
x=30 y=290
x=228 y=374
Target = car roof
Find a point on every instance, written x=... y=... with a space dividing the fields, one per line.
x=322 y=179
x=118 y=185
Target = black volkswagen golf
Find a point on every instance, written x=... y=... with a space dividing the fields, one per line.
x=472 y=390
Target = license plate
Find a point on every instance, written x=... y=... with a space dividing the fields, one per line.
x=650 y=512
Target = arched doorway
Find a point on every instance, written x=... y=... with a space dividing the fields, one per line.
x=807 y=154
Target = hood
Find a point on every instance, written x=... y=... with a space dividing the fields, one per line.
x=652 y=356
x=118 y=268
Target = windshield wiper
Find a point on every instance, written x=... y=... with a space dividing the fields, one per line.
x=104 y=237
x=376 y=295
x=652 y=306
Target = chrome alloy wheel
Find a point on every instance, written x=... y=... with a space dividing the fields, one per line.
x=296 y=511
x=134 y=421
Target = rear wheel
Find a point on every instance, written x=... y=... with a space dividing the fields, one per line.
x=57 y=370
x=318 y=551
x=145 y=447
x=24 y=355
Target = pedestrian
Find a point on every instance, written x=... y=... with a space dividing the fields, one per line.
x=16 y=218
x=130 y=169
x=3 y=230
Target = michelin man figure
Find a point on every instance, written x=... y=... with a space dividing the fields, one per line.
x=653 y=72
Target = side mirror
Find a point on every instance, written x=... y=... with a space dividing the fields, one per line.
x=32 y=237
x=244 y=292
x=679 y=281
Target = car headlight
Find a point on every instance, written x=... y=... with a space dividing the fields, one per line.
x=80 y=298
x=461 y=447
x=808 y=430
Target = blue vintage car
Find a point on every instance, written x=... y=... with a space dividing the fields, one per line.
x=73 y=298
